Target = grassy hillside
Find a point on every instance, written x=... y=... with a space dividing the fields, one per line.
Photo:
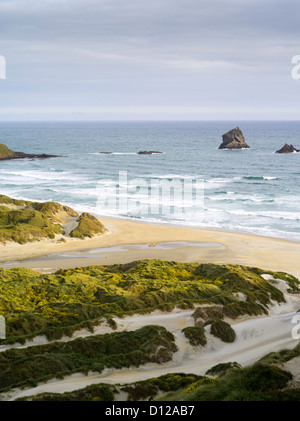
x=266 y=380
x=67 y=300
x=27 y=366
x=60 y=303
x=23 y=221
x=5 y=152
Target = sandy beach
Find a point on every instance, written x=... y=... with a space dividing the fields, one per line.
x=126 y=241
x=149 y=203
x=192 y=245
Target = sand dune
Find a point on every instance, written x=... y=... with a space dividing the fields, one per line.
x=255 y=337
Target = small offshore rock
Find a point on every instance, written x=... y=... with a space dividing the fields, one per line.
x=234 y=139
x=287 y=149
x=148 y=152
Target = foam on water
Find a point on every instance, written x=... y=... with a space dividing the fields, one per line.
x=253 y=191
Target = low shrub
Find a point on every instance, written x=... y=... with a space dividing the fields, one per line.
x=195 y=335
x=221 y=330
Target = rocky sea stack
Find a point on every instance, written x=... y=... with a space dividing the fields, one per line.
x=234 y=139
x=287 y=149
x=6 y=154
x=147 y=152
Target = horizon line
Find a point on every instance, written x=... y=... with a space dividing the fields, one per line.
x=147 y=120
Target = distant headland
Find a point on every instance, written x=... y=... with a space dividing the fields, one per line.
x=7 y=154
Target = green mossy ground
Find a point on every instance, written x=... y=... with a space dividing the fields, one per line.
x=27 y=366
x=282 y=356
x=22 y=226
x=63 y=302
x=195 y=335
x=259 y=382
x=141 y=390
x=265 y=380
x=60 y=303
x=88 y=226
x=22 y=221
x=93 y=393
x=221 y=330
x=220 y=369
x=262 y=381
x=5 y=152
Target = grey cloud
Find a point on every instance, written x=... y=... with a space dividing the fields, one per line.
x=148 y=52
x=164 y=19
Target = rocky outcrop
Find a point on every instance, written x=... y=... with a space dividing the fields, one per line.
x=234 y=139
x=287 y=149
x=6 y=154
x=147 y=152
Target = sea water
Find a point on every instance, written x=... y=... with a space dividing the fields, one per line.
x=252 y=190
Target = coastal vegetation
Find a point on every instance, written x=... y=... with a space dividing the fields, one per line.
x=218 y=369
x=141 y=390
x=22 y=221
x=259 y=382
x=195 y=335
x=94 y=393
x=88 y=226
x=5 y=152
x=221 y=330
x=60 y=303
x=266 y=380
x=28 y=366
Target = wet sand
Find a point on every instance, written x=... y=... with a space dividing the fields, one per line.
x=144 y=241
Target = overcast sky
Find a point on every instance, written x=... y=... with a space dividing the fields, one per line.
x=149 y=59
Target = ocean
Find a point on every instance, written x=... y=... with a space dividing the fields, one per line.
x=253 y=190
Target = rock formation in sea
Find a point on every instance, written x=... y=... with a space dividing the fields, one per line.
x=234 y=139
x=148 y=152
x=287 y=149
x=6 y=154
